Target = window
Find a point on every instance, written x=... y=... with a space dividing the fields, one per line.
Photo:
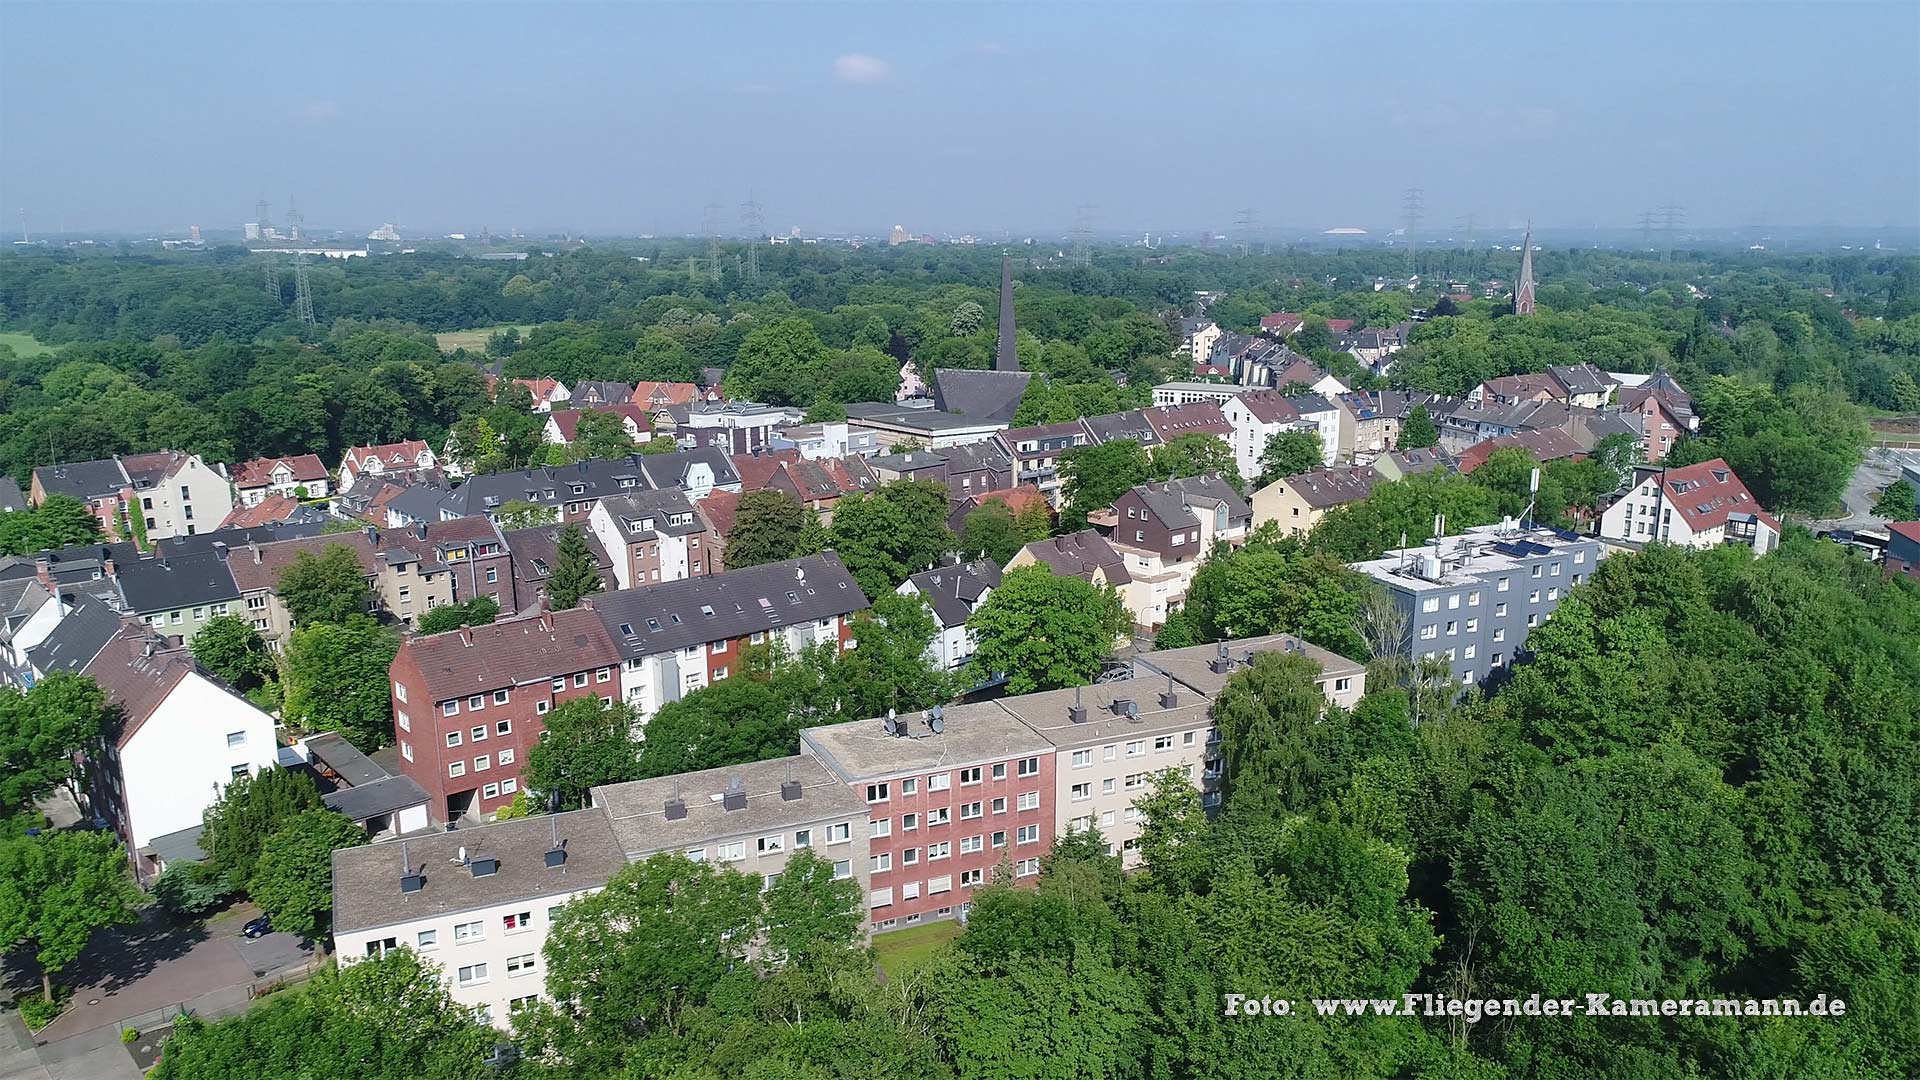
x=1028 y=834
x=840 y=833
x=910 y=856
x=877 y=793
x=520 y=921
x=1533 y=620
x=970 y=776
x=1029 y=800
x=471 y=974
x=1468 y=652
x=880 y=897
x=1162 y=742
x=1187 y=738
x=1502 y=586
x=406 y=722
x=469 y=931
x=579 y=678
x=520 y=965
x=1082 y=791
x=1500 y=634
x=1028 y=867
x=1107 y=786
x=881 y=863
x=406 y=750
x=514 y=1005
x=842 y=869
x=1082 y=758
x=1533 y=597
x=478 y=734
x=882 y=827
x=450 y=708
x=508 y=785
x=1342 y=685
x=236 y=739
x=939 y=816
x=500 y=698
x=503 y=727
x=969 y=811
x=427 y=939
x=1453 y=627
x=909 y=822
x=560 y=683
x=908 y=786
x=1500 y=611
x=1000 y=805
x=909 y=891
x=939 y=851
x=1553 y=593
x=1431 y=603
x=943 y=883
x=456 y=768
x=380 y=947
x=1136 y=781
x=476 y=702
x=969 y=878
x=1429 y=631
x=493 y=575
x=454 y=738
x=1030 y=766
x=483 y=763
x=1554 y=570
x=771 y=845
x=1473 y=625
x=733 y=851
x=972 y=844
x=1473 y=598
x=540 y=707
x=698 y=854
x=491 y=791
x=1000 y=770
x=603 y=675
x=1109 y=752
x=1000 y=839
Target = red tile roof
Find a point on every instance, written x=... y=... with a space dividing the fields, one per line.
x=1341 y=326
x=1541 y=444
x=568 y=420
x=500 y=655
x=1199 y=417
x=541 y=389
x=758 y=470
x=402 y=454
x=259 y=472
x=1269 y=406
x=719 y=508
x=1283 y=322
x=265 y=512
x=1708 y=493
x=655 y=394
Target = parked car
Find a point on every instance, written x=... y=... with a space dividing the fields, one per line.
x=259 y=927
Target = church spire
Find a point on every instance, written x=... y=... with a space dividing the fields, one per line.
x=1523 y=289
x=1007 y=358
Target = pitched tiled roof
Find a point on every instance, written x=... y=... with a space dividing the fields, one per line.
x=137 y=671
x=272 y=510
x=1426 y=459
x=305 y=468
x=1542 y=444
x=77 y=639
x=259 y=566
x=10 y=497
x=1582 y=379
x=645 y=515
x=537 y=550
x=1333 y=486
x=652 y=394
x=1195 y=418
x=168 y=584
x=1127 y=425
x=84 y=480
x=757 y=469
x=1708 y=493
x=675 y=614
x=1079 y=555
x=719 y=509
x=513 y=652
x=979 y=395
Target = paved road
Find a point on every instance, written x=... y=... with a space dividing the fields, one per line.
x=143 y=972
x=1882 y=467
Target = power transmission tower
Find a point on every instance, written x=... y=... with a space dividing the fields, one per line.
x=1646 y=229
x=302 y=291
x=1413 y=204
x=1245 y=221
x=755 y=223
x=260 y=215
x=295 y=219
x=1083 y=234
x=1673 y=216
x=272 y=276
x=710 y=225
x=693 y=270
x=1467 y=224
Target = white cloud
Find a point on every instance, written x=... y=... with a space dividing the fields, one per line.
x=861 y=68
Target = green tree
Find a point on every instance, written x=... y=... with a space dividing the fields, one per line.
x=478 y=611
x=521 y=514
x=42 y=731
x=327 y=588
x=781 y=363
x=990 y=533
x=888 y=534
x=59 y=521
x=1269 y=718
x=56 y=889
x=1897 y=502
x=601 y=435
x=810 y=912
x=336 y=680
x=293 y=878
x=585 y=744
x=1289 y=453
x=384 y=1016
x=731 y=722
x=1276 y=588
x=967 y=319
x=574 y=572
x=190 y=890
x=1402 y=509
x=766 y=524
x=1418 y=432
x=229 y=647
x=888 y=667
x=1095 y=475
x=1044 y=631
x=1194 y=455
x=1034 y=519
x=250 y=810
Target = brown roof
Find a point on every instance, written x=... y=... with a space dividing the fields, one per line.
x=1524 y=387
x=271 y=509
x=1080 y=554
x=137 y=671
x=1541 y=444
x=400 y=453
x=259 y=566
x=1709 y=493
x=499 y=655
x=758 y=469
x=719 y=508
x=1199 y=417
x=1335 y=486
x=259 y=471
x=652 y=394
x=1269 y=406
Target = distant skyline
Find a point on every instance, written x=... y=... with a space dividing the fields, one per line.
x=844 y=118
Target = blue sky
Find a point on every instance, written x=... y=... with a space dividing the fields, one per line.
x=631 y=117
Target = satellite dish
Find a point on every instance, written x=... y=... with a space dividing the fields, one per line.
x=461 y=857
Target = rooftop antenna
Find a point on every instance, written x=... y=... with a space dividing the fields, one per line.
x=1533 y=495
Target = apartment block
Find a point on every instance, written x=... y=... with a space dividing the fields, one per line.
x=949 y=794
x=1702 y=506
x=478 y=901
x=467 y=704
x=1472 y=599
x=657 y=535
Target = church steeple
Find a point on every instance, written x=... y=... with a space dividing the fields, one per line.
x=1523 y=289
x=1007 y=358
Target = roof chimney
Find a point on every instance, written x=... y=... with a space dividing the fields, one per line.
x=676 y=808
x=546 y=621
x=253 y=548
x=1076 y=712
x=1169 y=699
x=735 y=797
x=789 y=790
x=410 y=881
x=466 y=637
x=106 y=565
x=43 y=569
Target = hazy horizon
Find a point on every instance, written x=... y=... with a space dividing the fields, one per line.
x=850 y=118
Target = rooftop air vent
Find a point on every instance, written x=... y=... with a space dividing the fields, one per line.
x=735 y=797
x=676 y=808
x=1125 y=707
x=1169 y=699
x=1076 y=712
x=789 y=791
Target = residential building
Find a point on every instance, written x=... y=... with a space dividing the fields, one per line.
x=1470 y=423
x=355 y=786
x=1016 y=500
x=1297 y=503
x=950 y=793
x=1372 y=419
x=1374 y=348
x=29 y=611
x=1197 y=338
x=1206 y=669
x=546 y=393
x=478 y=902
x=652 y=395
x=1541 y=444
x=408 y=573
x=1256 y=416
x=1400 y=464
x=1583 y=385
x=829 y=440
x=1471 y=599
x=180 y=737
x=173 y=493
x=468 y=703
x=678 y=636
x=1131 y=425
x=1169 y=422
x=1666 y=413
x=1148 y=589
x=1036 y=452
x=176 y=595
x=658 y=535
x=563 y=425
x=1178 y=520
x=891 y=424
x=535 y=552
x=737 y=427
x=1903 y=548
x=1530 y=389
x=1187 y=393
x=1698 y=506
x=751 y=818
x=952 y=594
x=571 y=490
x=11 y=498
x=262 y=477
x=275 y=510
x=977 y=468
x=402 y=461
x=592 y=393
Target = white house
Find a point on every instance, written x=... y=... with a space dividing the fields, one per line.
x=1697 y=506
x=953 y=594
x=391 y=461
x=1259 y=415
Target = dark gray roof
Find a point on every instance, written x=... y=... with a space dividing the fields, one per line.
x=981 y=395
x=920 y=419
x=675 y=614
x=173 y=582
x=1422 y=460
x=1583 y=379
x=596 y=477
x=233 y=538
x=1006 y=355
x=366 y=880
x=536 y=550
x=1210 y=488
x=77 y=640
x=973 y=456
x=178 y=847
x=419 y=502
x=346 y=761
x=952 y=591
x=603 y=391
x=650 y=513
x=382 y=796
x=910 y=461
x=83 y=480
x=1078 y=554
x=10 y=497
x=1127 y=425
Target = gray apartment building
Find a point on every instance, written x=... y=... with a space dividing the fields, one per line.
x=1471 y=599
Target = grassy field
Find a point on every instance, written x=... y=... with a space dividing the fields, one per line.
x=902 y=950
x=473 y=340
x=24 y=345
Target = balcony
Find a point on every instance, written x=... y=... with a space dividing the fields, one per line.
x=1106 y=517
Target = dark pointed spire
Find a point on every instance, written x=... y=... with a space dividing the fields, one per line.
x=1523 y=289
x=1008 y=356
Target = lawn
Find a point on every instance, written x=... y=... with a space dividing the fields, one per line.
x=24 y=346
x=903 y=950
x=473 y=340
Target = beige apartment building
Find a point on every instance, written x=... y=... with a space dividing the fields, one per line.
x=477 y=902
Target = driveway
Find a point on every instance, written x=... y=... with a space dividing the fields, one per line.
x=1881 y=467
x=144 y=972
